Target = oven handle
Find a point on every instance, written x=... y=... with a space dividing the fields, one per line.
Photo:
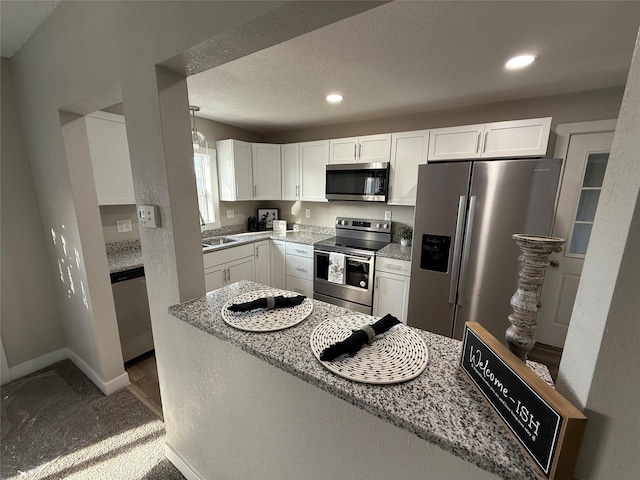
x=347 y=255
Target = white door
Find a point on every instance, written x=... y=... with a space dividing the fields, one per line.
x=408 y=150
x=266 y=172
x=262 y=263
x=290 y=171
x=391 y=295
x=584 y=171
x=242 y=269
x=516 y=138
x=243 y=170
x=314 y=157
x=374 y=148
x=343 y=150
x=214 y=278
x=455 y=143
x=277 y=258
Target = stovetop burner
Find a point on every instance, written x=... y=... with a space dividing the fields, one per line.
x=357 y=234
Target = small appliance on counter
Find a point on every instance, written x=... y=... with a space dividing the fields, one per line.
x=252 y=224
x=279 y=226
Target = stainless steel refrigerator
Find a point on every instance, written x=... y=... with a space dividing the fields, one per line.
x=464 y=263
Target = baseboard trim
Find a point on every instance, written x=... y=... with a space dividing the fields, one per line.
x=107 y=388
x=31 y=366
x=181 y=464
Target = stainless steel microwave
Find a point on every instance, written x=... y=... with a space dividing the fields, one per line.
x=364 y=182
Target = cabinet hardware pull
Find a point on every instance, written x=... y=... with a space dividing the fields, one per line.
x=237 y=193
x=255 y=191
x=484 y=147
x=224 y=275
x=359 y=151
x=301 y=269
x=478 y=142
x=229 y=274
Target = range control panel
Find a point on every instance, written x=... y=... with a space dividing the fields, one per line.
x=362 y=224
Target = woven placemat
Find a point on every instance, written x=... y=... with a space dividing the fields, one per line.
x=263 y=320
x=395 y=356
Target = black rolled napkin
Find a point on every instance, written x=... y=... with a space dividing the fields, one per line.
x=358 y=339
x=268 y=303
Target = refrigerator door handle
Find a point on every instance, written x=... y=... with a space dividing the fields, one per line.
x=467 y=246
x=457 y=248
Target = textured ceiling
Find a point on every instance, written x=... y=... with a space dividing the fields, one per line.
x=406 y=57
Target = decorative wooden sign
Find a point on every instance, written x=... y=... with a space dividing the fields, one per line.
x=547 y=427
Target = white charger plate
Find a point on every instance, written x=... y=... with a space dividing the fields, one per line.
x=263 y=320
x=395 y=356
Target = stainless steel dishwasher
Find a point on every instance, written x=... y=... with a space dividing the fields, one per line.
x=132 y=309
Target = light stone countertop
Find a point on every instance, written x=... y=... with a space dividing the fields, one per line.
x=439 y=406
x=395 y=251
x=130 y=256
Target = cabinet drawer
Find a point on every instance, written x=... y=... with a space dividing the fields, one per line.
x=303 y=287
x=300 y=267
x=228 y=255
x=299 y=249
x=391 y=265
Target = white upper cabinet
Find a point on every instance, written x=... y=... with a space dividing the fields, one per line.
x=516 y=138
x=109 y=151
x=266 y=171
x=290 y=154
x=235 y=177
x=456 y=142
x=408 y=150
x=367 y=149
x=314 y=157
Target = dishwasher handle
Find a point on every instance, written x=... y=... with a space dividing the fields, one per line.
x=127 y=275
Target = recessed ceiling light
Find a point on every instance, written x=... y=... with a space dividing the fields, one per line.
x=520 y=62
x=334 y=98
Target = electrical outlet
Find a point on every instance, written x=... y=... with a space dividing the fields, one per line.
x=387 y=215
x=308 y=213
x=230 y=214
x=149 y=216
x=123 y=226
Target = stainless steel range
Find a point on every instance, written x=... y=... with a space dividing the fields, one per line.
x=344 y=265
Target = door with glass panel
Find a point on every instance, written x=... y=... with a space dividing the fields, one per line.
x=585 y=167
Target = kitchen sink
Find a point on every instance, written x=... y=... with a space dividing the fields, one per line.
x=212 y=242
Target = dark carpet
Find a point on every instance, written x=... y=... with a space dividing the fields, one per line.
x=56 y=424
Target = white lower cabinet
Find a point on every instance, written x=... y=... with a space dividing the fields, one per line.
x=262 y=262
x=227 y=266
x=299 y=268
x=391 y=291
x=277 y=257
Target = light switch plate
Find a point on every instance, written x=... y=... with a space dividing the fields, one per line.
x=149 y=216
x=123 y=226
x=308 y=213
x=387 y=215
x=230 y=214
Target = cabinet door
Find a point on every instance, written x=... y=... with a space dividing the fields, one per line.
x=235 y=177
x=343 y=150
x=290 y=171
x=391 y=295
x=243 y=170
x=262 y=262
x=301 y=286
x=241 y=269
x=314 y=157
x=374 y=148
x=266 y=171
x=455 y=143
x=277 y=257
x=214 y=277
x=107 y=135
x=518 y=138
x=408 y=150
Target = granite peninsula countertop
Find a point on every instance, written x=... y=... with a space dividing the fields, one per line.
x=439 y=406
x=395 y=251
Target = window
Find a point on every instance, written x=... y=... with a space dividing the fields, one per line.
x=207 y=188
x=588 y=203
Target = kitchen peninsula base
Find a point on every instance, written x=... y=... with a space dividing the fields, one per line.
x=260 y=405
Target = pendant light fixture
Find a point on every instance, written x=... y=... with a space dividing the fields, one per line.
x=199 y=140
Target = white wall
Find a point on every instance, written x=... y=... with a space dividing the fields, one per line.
x=31 y=324
x=600 y=362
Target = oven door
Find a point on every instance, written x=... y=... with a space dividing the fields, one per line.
x=357 y=286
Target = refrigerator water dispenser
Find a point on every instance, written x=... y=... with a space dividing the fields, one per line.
x=435 y=253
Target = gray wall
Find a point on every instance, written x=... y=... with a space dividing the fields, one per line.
x=29 y=312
